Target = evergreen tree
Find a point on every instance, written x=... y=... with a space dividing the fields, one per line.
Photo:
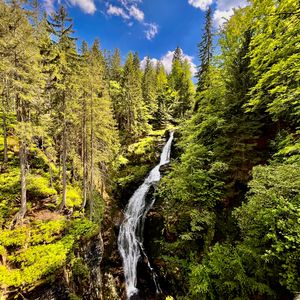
x=116 y=66
x=164 y=95
x=205 y=52
x=149 y=88
x=176 y=72
x=63 y=84
x=116 y=91
x=180 y=81
x=132 y=108
x=21 y=82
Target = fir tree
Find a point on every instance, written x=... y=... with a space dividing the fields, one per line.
x=133 y=111
x=149 y=88
x=180 y=81
x=205 y=52
x=21 y=82
x=62 y=83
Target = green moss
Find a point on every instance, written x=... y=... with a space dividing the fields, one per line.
x=83 y=228
x=47 y=232
x=16 y=237
x=73 y=296
x=39 y=187
x=143 y=146
x=37 y=251
x=74 y=196
x=80 y=269
x=132 y=173
x=35 y=263
x=9 y=184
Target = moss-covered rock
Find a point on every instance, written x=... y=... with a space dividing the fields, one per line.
x=30 y=254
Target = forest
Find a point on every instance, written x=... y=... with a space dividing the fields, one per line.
x=81 y=128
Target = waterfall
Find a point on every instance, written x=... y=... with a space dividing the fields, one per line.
x=130 y=240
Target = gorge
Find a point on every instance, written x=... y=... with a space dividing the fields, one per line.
x=130 y=240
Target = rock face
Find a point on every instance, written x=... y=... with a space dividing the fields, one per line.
x=81 y=280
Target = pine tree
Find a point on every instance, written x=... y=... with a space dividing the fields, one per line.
x=180 y=81
x=116 y=66
x=116 y=73
x=164 y=95
x=133 y=111
x=21 y=81
x=149 y=88
x=175 y=76
x=205 y=52
x=84 y=86
x=63 y=84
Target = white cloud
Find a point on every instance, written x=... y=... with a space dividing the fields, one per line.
x=167 y=59
x=221 y=16
x=154 y=62
x=129 y=2
x=151 y=31
x=230 y=4
x=136 y=13
x=117 y=11
x=190 y=59
x=130 y=11
x=49 y=6
x=88 y=6
x=202 y=4
x=224 y=8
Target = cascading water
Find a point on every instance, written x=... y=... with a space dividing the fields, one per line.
x=130 y=240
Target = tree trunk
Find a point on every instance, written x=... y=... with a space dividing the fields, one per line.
x=5 y=98
x=64 y=158
x=5 y=156
x=92 y=159
x=22 y=154
x=21 y=112
x=84 y=156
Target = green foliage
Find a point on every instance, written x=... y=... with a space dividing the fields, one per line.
x=142 y=147
x=73 y=296
x=80 y=269
x=74 y=197
x=274 y=59
x=133 y=173
x=224 y=274
x=9 y=191
x=180 y=81
x=190 y=193
x=240 y=146
x=36 y=251
x=38 y=187
x=9 y=182
x=269 y=220
x=83 y=228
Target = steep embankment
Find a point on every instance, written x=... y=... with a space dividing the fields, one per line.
x=56 y=254
x=50 y=254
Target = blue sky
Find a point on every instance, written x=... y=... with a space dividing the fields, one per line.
x=152 y=27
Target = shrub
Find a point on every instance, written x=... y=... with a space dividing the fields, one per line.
x=38 y=187
x=74 y=196
x=36 y=251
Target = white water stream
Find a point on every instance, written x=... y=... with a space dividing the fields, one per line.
x=130 y=240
